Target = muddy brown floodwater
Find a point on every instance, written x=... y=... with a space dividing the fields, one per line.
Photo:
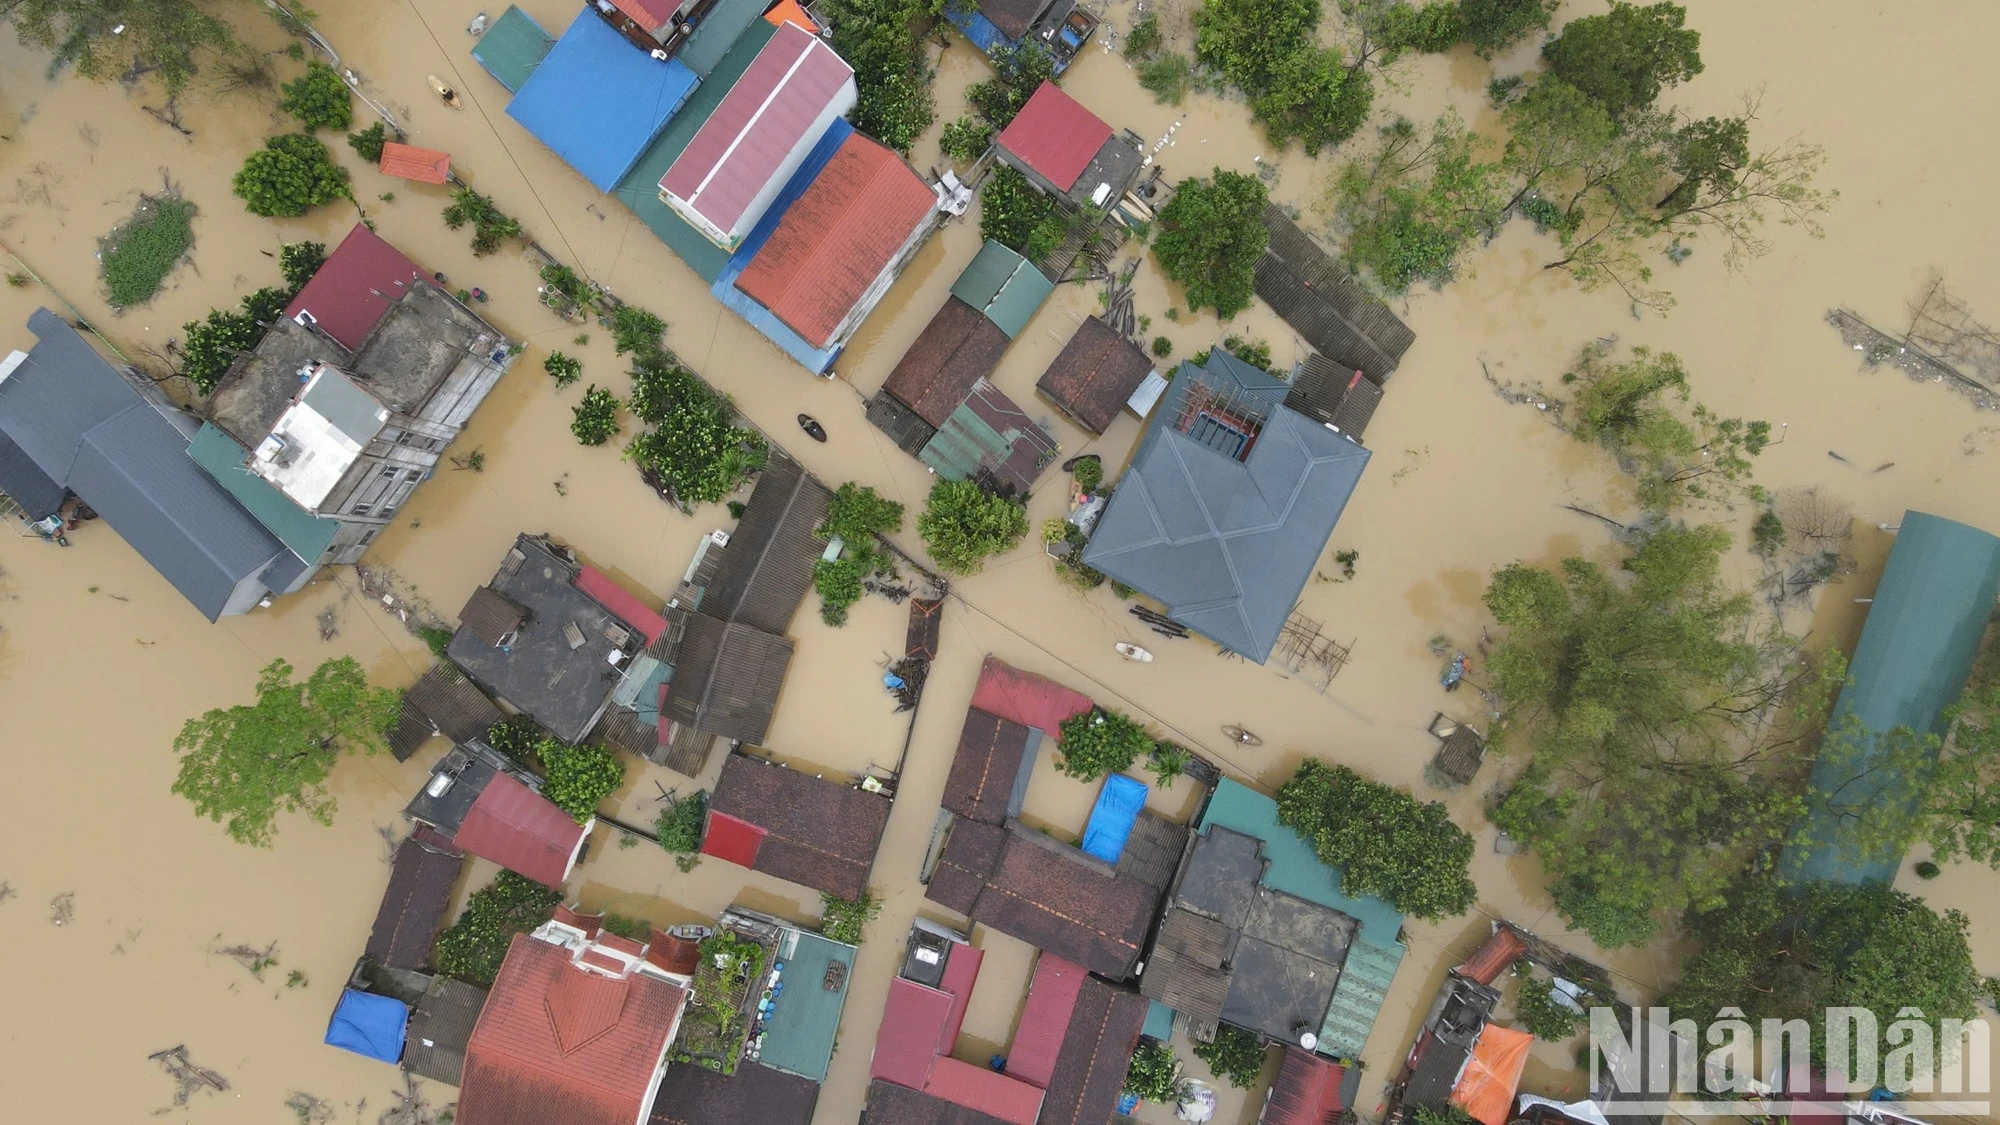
x=100 y=660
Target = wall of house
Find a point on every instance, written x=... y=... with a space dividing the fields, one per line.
x=870 y=297
x=245 y=596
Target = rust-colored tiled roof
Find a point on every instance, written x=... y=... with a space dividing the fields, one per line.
x=649 y=14
x=1495 y=957
x=408 y=162
x=993 y=754
x=590 y=924
x=1094 y=374
x=970 y=856
x=956 y=349
x=1026 y=698
x=557 y=1045
x=1052 y=897
x=819 y=833
x=836 y=239
x=674 y=954
x=1097 y=1050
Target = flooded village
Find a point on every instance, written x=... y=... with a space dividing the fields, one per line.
x=808 y=614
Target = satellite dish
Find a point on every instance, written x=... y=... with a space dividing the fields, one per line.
x=1308 y=1040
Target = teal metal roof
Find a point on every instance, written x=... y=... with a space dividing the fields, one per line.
x=720 y=33
x=1932 y=607
x=513 y=46
x=306 y=534
x=1294 y=869
x=1004 y=286
x=1357 y=998
x=1159 y=1021
x=798 y=1036
x=639 y=191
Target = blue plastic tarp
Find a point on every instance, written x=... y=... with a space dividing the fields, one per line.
x=977 y=28
x=1111 y=819
x=598 y=101
x=369 y=1025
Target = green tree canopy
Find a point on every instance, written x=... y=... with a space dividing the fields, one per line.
x=962 y=524
x=1415 y=202
x=579 y=777
x=290 y=175
x=1623 y=57
x=1639 y=411
x=595 y=419
x=858 y=513
x=1014 y=214
x=319 y=99
x=1492 y=26
x=473 y=947
x=1155 y=1074
x=1211 y=235
x=1384 y=841
x=1235 y=1055
x=1100 y=742
x=299 y=261
x=694 y=448
x=167 y=37
x=243 y=765
x=1269 y=49
x=1018 y=71
x=883 y=41
x=1666 y=741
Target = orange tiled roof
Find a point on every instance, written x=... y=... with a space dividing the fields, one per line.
x=408 y=162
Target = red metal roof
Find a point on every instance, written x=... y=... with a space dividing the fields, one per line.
x=986 y=1091
x=360 y=280
x=1025 y=698
x=763 y=119
x=517 y=828
x=557 y=1045
x=913 y=1023
x=1045 y=1019
x=732 y=839
x=1055 y=135
x=1495 y=957
x=1306 y=1091
x=623 y=604
x=408 y=162
x=837 y=238
x=961 y=970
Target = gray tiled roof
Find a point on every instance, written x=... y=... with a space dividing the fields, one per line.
x=24 y=482
x=61 y=391
x=1227 y=544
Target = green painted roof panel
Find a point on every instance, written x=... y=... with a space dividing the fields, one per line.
x=306 y=534
x=1004 y=286
x=721 y=32
x=1294 y=869
x=1357 y=998
x=513 y=46
x=798 y=1037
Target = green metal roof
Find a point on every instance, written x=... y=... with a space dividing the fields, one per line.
x=720 y=32
x=798 y=1037
x=306 y=534
x=1004 y=286
x=1923 y=631
x=639 y=191
x=1294 y=869
x=1357 y=998
x=1159 y=1021
x=513 y=46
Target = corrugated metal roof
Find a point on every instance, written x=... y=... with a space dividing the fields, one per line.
x=421 y=881
x=57 y=394
x=1054 y=134
x=1004 y=286
x=623 y=604
x=1038 y=1037
x=26 y=484
x=221 y=457
x=722 y=29
x=513 y=46
x=1026 y=698
x=597 y=101
x=840 y=235
x=913 y=1023
x=1306 y=1091
x=990 y=436
x=408 y=162
x=1495 y=956
x=440 y=1026
x=757 y=132
x=982 y=1090
x=801 y=1029
x=520 y=830
x=1357 y=998
x=961 y=972
x=650 y=14
x=732 y=839
x=355 y=286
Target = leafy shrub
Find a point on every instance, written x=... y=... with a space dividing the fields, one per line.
x=857 y=514
x=633 y=329
x=1011 y=210
x=596 y=417
x=490 y=227
x=1167 y=77
x=697 y=449
x=1925 y=869
x=1155 y=1074
x=1211 y=235
x=736 y=509
x=290 y=175
x=319 y=99
x=1089 y=474
x=209 y=346
x=299 y=261
x=1144 y=38
x=839 y=584
x=578 y=777
x=1767 y=534
x=1546 y=1017
x=1018 y=72
x=1099 y=742
x=1384 y=841
x=435 y=637
x=519 y=737
x=563 y=369
x=842 y=920
x=1162 y=347
x=368 y=142
x=962 y=524
x=473 y=947
x=964 y=139
x=1431 y=28
x=1167 y=761
x=1235 y=1055
x=137 y=257
x=681 y=823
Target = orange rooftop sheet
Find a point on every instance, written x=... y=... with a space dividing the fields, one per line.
x=1486 y=1089
x=408 y=162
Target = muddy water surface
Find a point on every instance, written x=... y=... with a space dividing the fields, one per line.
x=100 y=660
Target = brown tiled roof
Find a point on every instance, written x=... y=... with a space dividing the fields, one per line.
x=440 y=1025
x=1330 y=392
x=1090 y=1072
x=909 y=432
x=410 y=733
x=1308 y=289
x=687 y=753
x=1054 y=897
x=989 y=771
x=1153 y=851
x=445 y=701
x=818 y=833
x=926 y=623
x=1094 y=374
x=970 y=856
x=890 y=1104
x=957 y=348
x=491 y=615
x=413 y=908
x=1012 y=16
x=768 y=565
x=727 y=677
x=622 y=727
x=754 y=1095
x=1186 y=970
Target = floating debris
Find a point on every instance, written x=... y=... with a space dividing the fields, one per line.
x=189 y=1077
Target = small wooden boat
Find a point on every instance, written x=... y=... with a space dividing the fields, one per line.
x=1134 y=652
x=1242 y=737
x=449 y=95
x=812 y=427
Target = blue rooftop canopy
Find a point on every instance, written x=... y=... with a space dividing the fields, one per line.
x=598 y=101
x=369 y=1025
x=1111 y=819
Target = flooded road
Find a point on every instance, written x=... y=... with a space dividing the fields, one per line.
x=100 y=660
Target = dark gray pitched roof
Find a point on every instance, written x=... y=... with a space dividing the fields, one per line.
x=55 y=396
x=1329 y=392
x=1227 y=544
x=769 y=564
x=421 y=880
x=727 y=677
x=442 y=701
x=38 y=494
x=440 y=1027
x=1302 y=284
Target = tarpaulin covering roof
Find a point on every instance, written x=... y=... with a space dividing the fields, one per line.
x=1003 y=286
x=597 y=101
x=622 y=603
x=1025 y=698
x=1038 y=1038
x=788 y=11
x=837 y=238
x=959 y=347
x=756 y=134
x=1227 y=544
x=522 y=831
x=513 y=46
x=984 y=1091
x=1112 y=817
x=1054 y=135
x=1306 y=1091
x=913 y=1022
x=1094 y=374
x=731 y=839
x=1486 y=1088
x=818 y=833
x=355 y=286
x=369 y=1025
x=408 y=162
x=1922 y=635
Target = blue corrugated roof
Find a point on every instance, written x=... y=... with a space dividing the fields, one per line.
x=24 y=482
x=815 y=360
x=598 y=101
x=977 y=28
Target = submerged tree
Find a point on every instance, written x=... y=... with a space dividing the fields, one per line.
x=1623 y=57
x=962 y=524
x=1385 y=842
x=1639 y=411
x=244 y=765
x=109 y=39
x=1415 y=202
x=475 y=945
x=290 y=175
x=1211 y=234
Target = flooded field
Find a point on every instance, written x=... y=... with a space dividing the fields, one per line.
x=100 y=661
